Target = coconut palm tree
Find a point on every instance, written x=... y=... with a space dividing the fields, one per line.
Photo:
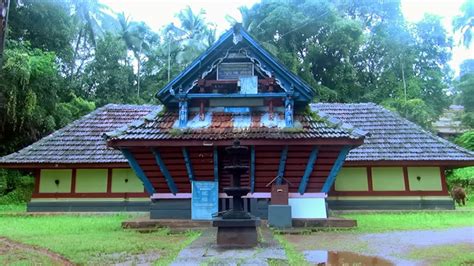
x=464 y=23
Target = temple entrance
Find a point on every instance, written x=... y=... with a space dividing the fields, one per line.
x=205 y=199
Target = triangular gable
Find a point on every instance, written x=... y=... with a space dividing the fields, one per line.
x=235 y=38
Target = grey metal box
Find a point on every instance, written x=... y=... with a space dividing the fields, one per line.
x=279 y=216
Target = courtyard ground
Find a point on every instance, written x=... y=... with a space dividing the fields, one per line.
x=417 y=237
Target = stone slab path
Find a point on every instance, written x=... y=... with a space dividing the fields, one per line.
x=204 y=251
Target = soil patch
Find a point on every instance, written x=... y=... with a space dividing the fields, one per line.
x=13 y=251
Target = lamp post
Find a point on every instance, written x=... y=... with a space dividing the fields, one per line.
x=4 y=6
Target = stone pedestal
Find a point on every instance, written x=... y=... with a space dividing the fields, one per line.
x=279 y=216
x=236 y=233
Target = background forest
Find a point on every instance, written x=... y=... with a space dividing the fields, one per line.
x=64 y=58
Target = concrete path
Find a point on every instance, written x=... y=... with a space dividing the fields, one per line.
x=203 y=251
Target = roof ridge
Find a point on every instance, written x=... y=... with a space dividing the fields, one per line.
x=331 y=120
x=133 y=124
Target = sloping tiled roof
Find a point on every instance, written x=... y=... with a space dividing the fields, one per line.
x=81 y=141
x=392 y=138
x=220 y=125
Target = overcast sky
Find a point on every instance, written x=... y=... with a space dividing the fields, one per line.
x=157 y=13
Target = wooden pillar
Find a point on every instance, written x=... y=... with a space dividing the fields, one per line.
x=37 y=174
x=406 y=179
x=138 y=171
x=308 y=171
x=335 y=169
x=281 y=167
x=73 y=180
x=109 y=180
x=369 y=178
x=164 y=170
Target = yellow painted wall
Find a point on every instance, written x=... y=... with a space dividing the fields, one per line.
x=352 y=179
x=388 y=179
x=125 y=180
x=48 y=178
x=91 y=180
x=430 y=178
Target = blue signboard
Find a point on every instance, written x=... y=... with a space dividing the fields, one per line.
x=205 y=199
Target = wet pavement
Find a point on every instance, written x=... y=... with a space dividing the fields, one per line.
x=380 y=248
x=205 y=251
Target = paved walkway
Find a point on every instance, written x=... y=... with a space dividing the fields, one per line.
x=205 y=251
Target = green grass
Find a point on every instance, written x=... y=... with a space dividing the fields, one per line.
x=294 y=257
x=410 y=220
x=459 y=254
x=91 y=238
x=13 y=208
x=15 y=256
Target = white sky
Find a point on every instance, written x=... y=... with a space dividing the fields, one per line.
x=157 y=13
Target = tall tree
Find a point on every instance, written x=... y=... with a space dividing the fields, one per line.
x=109 y=79
x=464 y=23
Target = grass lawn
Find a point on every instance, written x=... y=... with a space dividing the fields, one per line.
x=13 y=208
x=459 y=254
x=92 y=239
x=372 y=222
x=14 y=256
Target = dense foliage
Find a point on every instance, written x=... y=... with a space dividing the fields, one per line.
x=65 y=58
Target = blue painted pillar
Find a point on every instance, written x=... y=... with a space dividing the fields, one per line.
x=216 y=164
x=289 y=106
x=164 y=170
x=335 y=169
x=252 y=169
x=138 y=171
x=183 y=112
x=309 y=169
x=281 y=167
x=189 y=166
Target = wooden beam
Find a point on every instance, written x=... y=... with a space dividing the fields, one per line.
x=164 y=170
x=230 y=141
x=309 y=169
x=335 y=169
x=236 y=95
x=216 y=164
x=252 y=169
x=138 y=171
x=281 y=167
x=189 y=166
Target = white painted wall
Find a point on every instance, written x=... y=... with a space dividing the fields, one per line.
x=308 y=207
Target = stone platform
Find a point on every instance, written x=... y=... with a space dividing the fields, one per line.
x=236 y=233
x=145 y=223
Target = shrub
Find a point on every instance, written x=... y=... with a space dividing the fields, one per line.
x=15 y=187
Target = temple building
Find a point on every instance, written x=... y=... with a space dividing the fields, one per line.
x=168 y=159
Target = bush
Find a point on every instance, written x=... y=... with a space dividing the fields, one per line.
x=15 y=187
x=462 y=176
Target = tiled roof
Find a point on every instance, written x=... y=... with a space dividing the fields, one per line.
x=392 y=138
x=81 y=141
x=220 y=125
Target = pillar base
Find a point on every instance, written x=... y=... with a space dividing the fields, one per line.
x=236 y=233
